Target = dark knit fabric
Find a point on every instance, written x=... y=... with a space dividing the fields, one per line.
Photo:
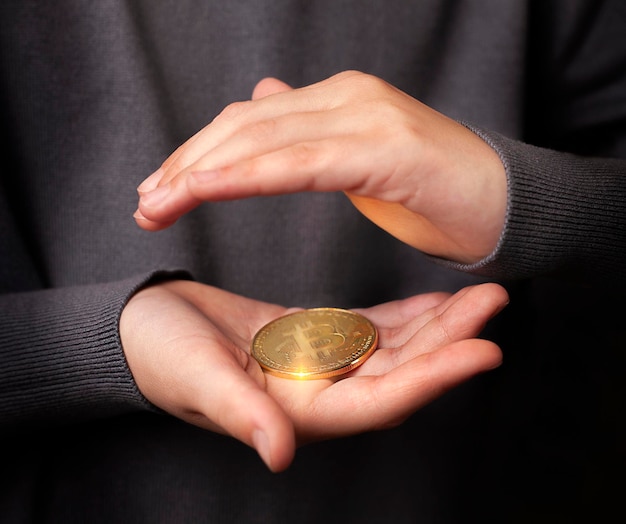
x=94 y=95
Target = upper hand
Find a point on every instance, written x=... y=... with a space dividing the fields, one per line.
x=418 y=174
x=187 y=345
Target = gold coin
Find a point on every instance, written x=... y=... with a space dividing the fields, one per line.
x=314 y=343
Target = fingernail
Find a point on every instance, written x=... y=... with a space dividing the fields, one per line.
x=262 y=445
x=156 y=196
x=151 y=182
x=138 y=216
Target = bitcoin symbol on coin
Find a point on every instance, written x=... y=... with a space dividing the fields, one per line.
x=314 y=343
x=310 y=341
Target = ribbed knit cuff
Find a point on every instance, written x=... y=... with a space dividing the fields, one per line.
x=566 y=216
x=61 y=354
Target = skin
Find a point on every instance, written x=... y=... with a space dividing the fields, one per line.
x=188 y=347
x=423 y=177
x=418 y=174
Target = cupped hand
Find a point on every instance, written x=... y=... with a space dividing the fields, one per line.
x=422 y=176
x=188 y=348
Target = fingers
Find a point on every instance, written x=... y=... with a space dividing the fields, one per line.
x=238 y=116
x=399 y=313
x=375 y=402
x=435 y=352
x=296 y=152
x=423 y=379
x=191 y=370
x=418 y=329
x=151 y=186
x=253 y=137
x=462 y=316
x=162 y=207
x=419 y=175
x=318 y=157
x=269 y=86
x=247 y=413
x=224 y=396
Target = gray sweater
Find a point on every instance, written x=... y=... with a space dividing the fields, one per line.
x=93 y=96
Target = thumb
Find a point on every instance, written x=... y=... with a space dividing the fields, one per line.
x=269 y=86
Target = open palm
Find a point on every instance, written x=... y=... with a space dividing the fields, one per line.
x=188 y=347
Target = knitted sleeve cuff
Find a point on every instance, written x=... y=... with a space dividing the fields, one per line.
x=566 y=216
x=61 y=356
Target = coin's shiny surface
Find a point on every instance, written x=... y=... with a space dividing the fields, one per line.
x=314 y=343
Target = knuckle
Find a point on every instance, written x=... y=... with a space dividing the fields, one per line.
x=263 y=130
x=366 y=82
x=233 y=111
x=305 y=154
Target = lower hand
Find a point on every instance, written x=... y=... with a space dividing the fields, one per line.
x=187 y=345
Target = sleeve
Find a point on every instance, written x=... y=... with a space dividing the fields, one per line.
x=61 y=358
x=566 y=215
